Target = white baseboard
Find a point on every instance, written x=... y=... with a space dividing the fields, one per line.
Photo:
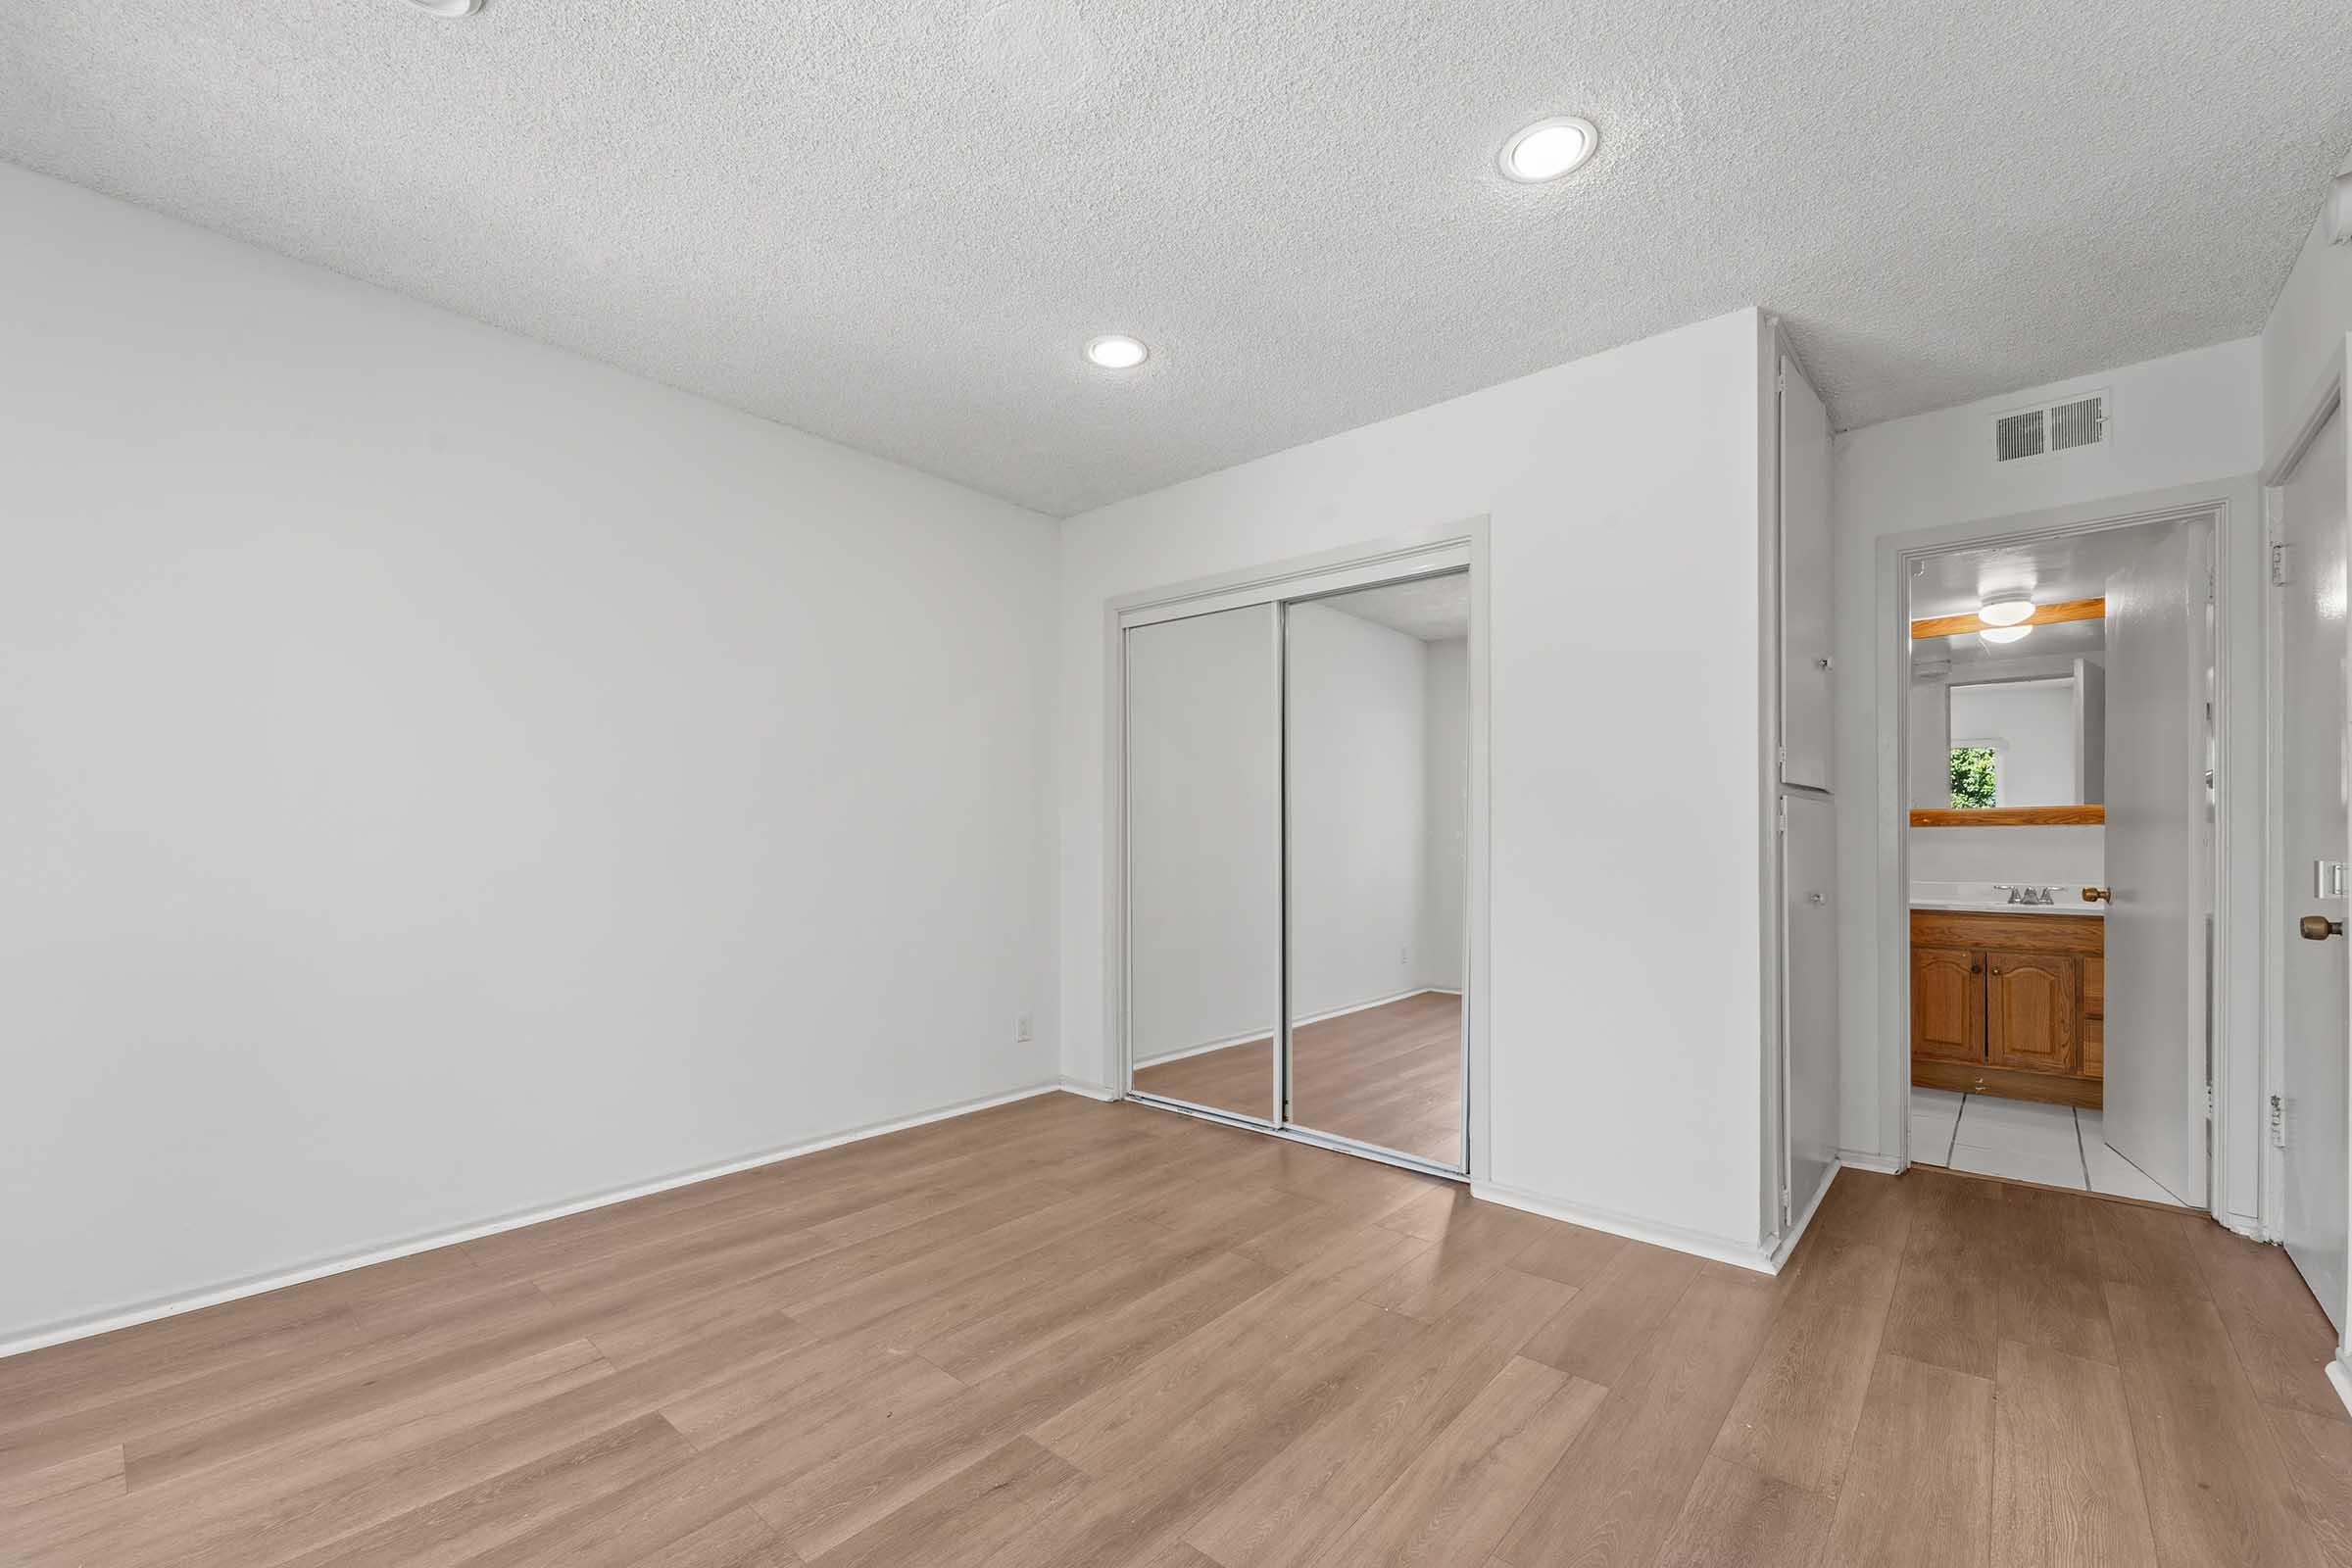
x=1697 y=1244
x=1883 y=1164
x=1367 y=1006
x=1796 y=1232
x=173 y=1306
x=1181 y=1053
x=1167 y=1056
x=1091 y=1090
x=2339 y=1378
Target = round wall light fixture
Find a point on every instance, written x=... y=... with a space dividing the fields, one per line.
x=1116 y=351
x=2004 y=634
x=1548 y=149
x=447 y=8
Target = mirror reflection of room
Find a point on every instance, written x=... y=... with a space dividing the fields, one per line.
x=1298 y=825
x=1204 y=832
x=2015 y=722
x=1377 y=784
x=2058 y=745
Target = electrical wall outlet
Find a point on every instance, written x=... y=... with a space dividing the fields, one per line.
x=1023 y=1029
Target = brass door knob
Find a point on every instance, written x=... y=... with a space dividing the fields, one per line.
x=2318 y=928
x=2097 y=895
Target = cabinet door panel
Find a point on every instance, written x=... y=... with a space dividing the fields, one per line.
x=2029 y=1003
x=1947 y=1004
x=1806 y=632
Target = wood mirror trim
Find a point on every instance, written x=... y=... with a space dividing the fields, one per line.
x=2014 y=817
x=2043 y=616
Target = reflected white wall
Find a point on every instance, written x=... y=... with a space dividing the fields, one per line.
x=1203 y=817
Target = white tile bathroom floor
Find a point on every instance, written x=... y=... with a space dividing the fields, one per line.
x=2057 y=1146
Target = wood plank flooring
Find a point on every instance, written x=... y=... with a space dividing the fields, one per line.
x=1390 y=1076
x=1062 y=1333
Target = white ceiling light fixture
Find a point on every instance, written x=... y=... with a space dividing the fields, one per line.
x=1550 y=149
x=2004 y=634
x=2005 y=611
x=1116 y=351
x=448 y=8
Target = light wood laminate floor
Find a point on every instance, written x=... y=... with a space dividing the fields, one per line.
x=1390 y=1076
x=1066 y=1333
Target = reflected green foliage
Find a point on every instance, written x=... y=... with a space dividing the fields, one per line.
x=1972 y=782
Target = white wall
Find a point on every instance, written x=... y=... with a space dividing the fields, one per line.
x=1615 y=1085
x=1358 y=786
x=2031 y=724
x=2187 y=421
x=1446 y=664
x=2068 y=856
x=1929 y=764
x=1204 y=803
x=446 y=778
x=2305 y=333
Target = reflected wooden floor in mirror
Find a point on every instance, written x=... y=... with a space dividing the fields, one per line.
x=1390 y=1076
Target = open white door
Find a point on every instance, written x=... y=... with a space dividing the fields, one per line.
x=2313 y=833
x=2158 y=817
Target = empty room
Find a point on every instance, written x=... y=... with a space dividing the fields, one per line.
x=1080 y=784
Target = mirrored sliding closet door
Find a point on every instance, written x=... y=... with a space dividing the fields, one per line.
x=1298 y=825
x=1205 y=859
x=1377 y=791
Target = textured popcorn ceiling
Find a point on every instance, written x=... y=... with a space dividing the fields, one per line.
x=893 y=221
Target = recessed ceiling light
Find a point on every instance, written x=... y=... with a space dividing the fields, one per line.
x=1116 y=351
x=2004 y=634
x=448 y=8
x=2005 y=611
x=1550 y=149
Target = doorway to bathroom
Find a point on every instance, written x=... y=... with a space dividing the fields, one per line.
x=2061 y=775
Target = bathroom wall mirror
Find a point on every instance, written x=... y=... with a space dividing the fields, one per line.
x=2009 y=731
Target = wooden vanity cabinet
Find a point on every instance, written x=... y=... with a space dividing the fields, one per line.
x=2008 y=1004
x=1948 y=1003
x=2031 y=1002
x=2094 y=1015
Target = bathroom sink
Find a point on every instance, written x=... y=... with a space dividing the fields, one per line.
x=1995 y=897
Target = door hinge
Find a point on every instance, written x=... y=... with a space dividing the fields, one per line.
x=2278 y=1122
x=2283 y=564
x=1780 y=816
x=2208 y=1101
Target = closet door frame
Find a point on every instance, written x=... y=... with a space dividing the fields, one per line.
x=1460 y=547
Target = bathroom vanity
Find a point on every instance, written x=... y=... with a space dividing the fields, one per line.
x=2008 y=998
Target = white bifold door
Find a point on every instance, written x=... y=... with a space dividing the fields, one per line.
x=1806 y=1133
x=2313 y=785
x=2158 y=853
x=1809 y=993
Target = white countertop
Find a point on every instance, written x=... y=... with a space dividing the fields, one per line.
x=1993 y=898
